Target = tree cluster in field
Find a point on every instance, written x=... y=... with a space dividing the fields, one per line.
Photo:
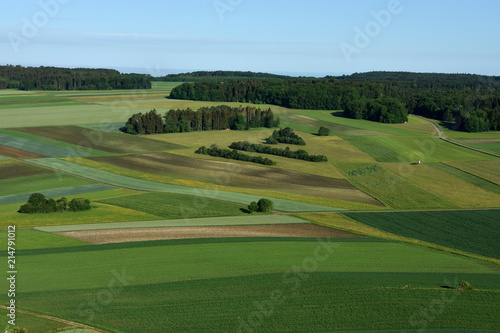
x=38 y=204
x=233 y=155
x=258 y=148
x=285 y=135
x=323 y=131
x=54 y=78
x=262 y=206
x=218 y=76
x=472 y=101
x=205 y=119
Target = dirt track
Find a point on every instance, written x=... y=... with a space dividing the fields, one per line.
x=147 y=234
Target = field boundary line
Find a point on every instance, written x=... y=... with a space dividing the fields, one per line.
x=443 y=137
x=56 y=319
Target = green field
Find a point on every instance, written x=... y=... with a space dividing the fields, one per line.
x=225 y=277
x=401 y=277
x=176 y=206
x=471 y=231
x=185 y=222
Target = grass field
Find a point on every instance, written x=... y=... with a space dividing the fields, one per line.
x=176 y=206
x=198 y=222
x=43 y=182
x=470 y=231
x=489 y=170
x=392 y=189
x=144 y=185
x=97 y=139
x=224 y=280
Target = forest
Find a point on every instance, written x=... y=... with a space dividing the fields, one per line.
x=205 y=119
x=471 y=101
x=55 y=78
x=218 y=76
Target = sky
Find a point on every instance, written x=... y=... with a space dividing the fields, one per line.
x=294 y=37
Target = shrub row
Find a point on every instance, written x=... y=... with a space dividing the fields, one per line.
x=257 y=148
x=233 y=155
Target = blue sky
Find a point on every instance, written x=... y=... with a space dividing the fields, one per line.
x=318 y=37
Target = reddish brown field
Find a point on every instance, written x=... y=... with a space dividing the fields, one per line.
x=147 y=234
x=17 y=153
x=15 y=170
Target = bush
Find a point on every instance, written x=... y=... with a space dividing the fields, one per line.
x=285 y=135
x=253 y=207
x=323 y=131
x=258 y=148
x=464 y=285
x=265 y=205
x=79 y=204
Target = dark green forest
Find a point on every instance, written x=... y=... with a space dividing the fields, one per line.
x=54 y=78
x=205 y=119
x=218 y=76
x=471 y=101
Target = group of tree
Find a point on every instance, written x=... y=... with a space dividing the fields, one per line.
x=263 y=149
x=285 y=135
x=233 y=155
x=38 y=204
x=473 y=101
x=262 y=206
x=205 y=119
x=55 y=78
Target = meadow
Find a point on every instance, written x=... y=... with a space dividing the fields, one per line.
x=404 y=272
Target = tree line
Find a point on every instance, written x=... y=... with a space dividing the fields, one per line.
x=55 y=78
x=472 y=101
x=39 y=204
x=233 y=155
x=218 y=76
x=205 y=119
x=300 y=154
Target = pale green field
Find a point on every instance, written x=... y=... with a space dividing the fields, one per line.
x=440 y=183
x=200 y=222
x=489 y=170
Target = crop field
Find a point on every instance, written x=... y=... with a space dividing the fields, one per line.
x=99 y=140
x=440 y=182
x=234 y=276
x=238 y=175
x=145 y=185
x=471 y=231
x=392 y=189
x=176 y=206
x=42 y=182
x=489 y=170
x=15 y=170
x=168 y=245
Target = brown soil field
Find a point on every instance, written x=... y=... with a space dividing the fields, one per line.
x=101 y=140
x=15 y=170
x=17 y=153
x=305 y=230
x=238 y=175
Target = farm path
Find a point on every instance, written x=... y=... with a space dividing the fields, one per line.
x=59 y=320
x=443 y=137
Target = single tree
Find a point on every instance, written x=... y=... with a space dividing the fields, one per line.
x=323 y=131
x=265 y=205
